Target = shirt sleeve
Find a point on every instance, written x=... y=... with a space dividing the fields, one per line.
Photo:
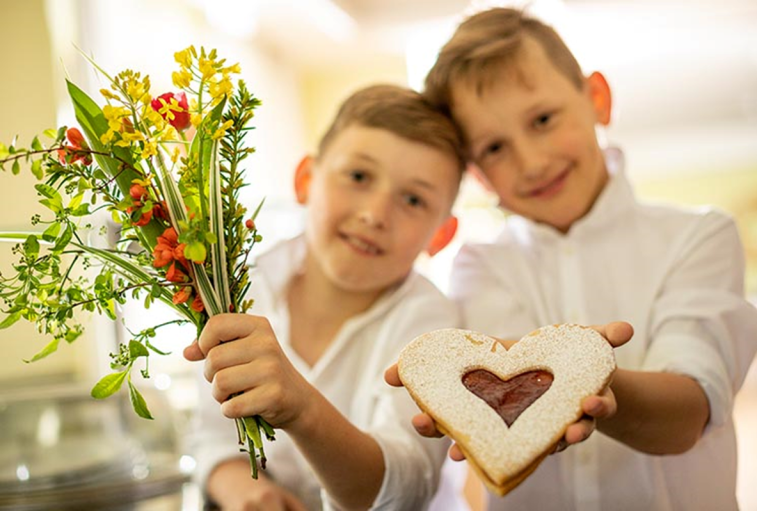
x=702 y=326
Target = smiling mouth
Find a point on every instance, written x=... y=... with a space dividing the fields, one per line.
x=361 y=245
x=551 y=188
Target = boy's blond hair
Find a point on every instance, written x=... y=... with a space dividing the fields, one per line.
x=487 y=43
x=401 y=111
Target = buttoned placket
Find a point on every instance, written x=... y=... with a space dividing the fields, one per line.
x=584 y=458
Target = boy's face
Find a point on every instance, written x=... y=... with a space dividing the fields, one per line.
x=531 y=133
x=374 y=202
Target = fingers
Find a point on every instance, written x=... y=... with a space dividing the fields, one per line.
x=601 y=406
x=392 y=376
x=455 y=453
x=577 y=432
x=228 y=327
x=193 y=353
x=617 y=333
x=425 y=426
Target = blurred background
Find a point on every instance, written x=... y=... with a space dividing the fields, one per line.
x=684 y=78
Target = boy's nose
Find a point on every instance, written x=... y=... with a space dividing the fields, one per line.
x=532 y=161
x=374 y=212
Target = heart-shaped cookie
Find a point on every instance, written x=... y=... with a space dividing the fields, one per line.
x=436 y=369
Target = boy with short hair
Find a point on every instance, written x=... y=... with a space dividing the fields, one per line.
x=580 y=248
x=333 y=309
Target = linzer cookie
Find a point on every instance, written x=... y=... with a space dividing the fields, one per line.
x=506 y=408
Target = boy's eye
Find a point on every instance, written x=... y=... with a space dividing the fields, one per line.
x=490 y=150
x=542 y=120
x=358 y=176
x=414 y=201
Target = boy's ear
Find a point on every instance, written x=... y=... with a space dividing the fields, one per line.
x=442 y=236
x=302 y=176
x=599 y=90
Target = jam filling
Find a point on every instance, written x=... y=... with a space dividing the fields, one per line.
x=508 y=398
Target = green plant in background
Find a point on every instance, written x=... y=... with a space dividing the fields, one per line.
x=168 y=170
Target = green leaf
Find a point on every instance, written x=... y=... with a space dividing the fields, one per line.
x=16 y=168
x=31 y=247
x=37 y=169
x=49 y=192
x=195 y=251
x=36 y=145
x=137 y=349
x=10 y=319
x=3 y=151
x=138 y=403
x=51 y=232
x=50 y=133
x=108 y=385
x=63 y=239
x=51 y=347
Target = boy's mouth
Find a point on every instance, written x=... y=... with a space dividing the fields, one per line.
x=361 y=245
x=551 y=188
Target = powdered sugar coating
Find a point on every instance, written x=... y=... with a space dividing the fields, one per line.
x=433 y=364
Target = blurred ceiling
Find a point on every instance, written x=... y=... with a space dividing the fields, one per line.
x=685 y=68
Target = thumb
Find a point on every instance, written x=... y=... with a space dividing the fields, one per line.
x=193 y=353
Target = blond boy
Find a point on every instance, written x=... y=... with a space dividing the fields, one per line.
x=333 y=308
x=580 y=248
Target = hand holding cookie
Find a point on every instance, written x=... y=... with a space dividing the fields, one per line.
x=507 y=409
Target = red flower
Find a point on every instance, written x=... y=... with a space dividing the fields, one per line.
x=174 y=274
x=176 y=115
x=143 y=219
x=160 y=211
x=138 y=192
x=182 y=295
x=197 y=304
x=76 y=151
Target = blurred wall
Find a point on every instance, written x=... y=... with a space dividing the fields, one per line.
x=27 y=107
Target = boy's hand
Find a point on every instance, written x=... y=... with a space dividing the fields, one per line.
x=251 y=375
x=600 y=406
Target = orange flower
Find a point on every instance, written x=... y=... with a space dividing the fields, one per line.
x=182 y=295
x=197 y=304
x=174 y=274
x=138 y=192
x=144 y=218
x=76 y=151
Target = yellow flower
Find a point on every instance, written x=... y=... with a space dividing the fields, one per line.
x=184 y=57
x=222 y=88
x=196 y=119
x=108 y=137
x=221 y=131
x=207 y=69
x=182 y=78
x=232 y=69
x=109 y=95
x=151 y=149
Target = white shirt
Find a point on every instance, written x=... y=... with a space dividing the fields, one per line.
x=350 y=375
x=677 y=276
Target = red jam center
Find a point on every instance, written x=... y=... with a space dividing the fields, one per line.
x=508 y=398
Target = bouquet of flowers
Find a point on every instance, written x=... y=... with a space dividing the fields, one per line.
x=168 y=170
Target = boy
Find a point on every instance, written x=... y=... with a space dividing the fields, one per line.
x=339 y=304
x=579 y=248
